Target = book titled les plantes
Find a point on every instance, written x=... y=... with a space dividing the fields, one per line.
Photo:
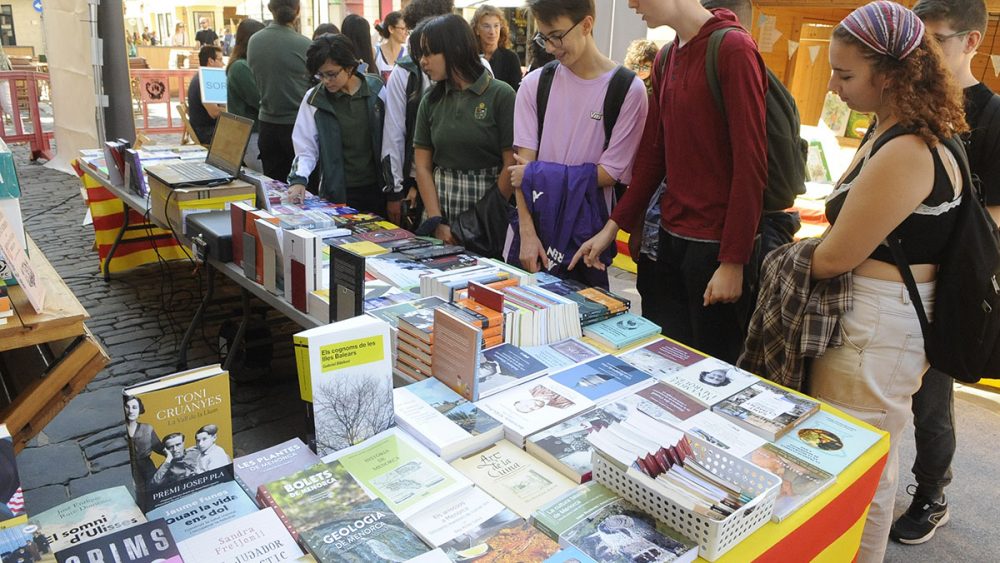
x=149 y=542
x=271 y=464
x=180 y=433
x=259 y=537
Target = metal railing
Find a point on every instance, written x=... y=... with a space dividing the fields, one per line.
x=25 y=90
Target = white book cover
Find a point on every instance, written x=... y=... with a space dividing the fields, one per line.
x=534 y=406
x=710 y=380
x=350 y=375
x=259 y=536
x=271 y=238
x=721 y=433
x=301 y=246
x=443 y=420
x=454 y=516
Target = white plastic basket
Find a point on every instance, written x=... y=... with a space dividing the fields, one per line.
x=714 y=537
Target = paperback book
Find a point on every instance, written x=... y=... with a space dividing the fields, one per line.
x=710 y=380
x=562 y=354
x=514 y=477
x=442 y=420
x=259 y=536
x=661 y=358
x=800 y=481
x=827 y=441
x=180 y=434
x=308 y=498
x=87 y=517
x=361 y=534
x=505 y=538
x=457 y=345
x=147 y=542
x=570 y=555
x=505 y=366
x=621 y=331
x=603 y=378
x=454 y=516
x=665 y=403
x=721 y=433
x=533 y=407
x=766 y=410
x=268 y=465
x=201 y=511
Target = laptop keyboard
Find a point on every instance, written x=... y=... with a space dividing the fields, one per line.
x=195 y=169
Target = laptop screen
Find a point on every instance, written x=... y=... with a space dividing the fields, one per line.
x=232 y=133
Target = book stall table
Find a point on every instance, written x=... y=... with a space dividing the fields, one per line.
x=71 y=355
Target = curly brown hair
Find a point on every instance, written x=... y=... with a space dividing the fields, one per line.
x=925 y=97
x=485 y=11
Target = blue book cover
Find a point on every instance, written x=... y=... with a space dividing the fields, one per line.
x=828 y=442
x=603 y=377
x=198 y=512
x=504 y=366
x=622 y=330
x=570 y=555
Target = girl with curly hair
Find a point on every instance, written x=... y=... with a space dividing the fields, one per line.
x=493 y=36
x=903 y=183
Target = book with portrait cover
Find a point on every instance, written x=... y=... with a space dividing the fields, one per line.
x=87 y=517
x=179 y=430
x=259 y=536
x=148 y=542
x=514 y=477
x=710 y=380
x=533 y=407
x=662 y=357
x=800 y=481
x=766 y=410
x=256 y=469
x=827 y=441
x=198 y=512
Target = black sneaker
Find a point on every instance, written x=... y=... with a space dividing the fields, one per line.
x=919 y=522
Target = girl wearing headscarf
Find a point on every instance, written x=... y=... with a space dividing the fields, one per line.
x=903 y=183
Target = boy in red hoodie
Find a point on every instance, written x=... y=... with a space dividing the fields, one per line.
x=716 y=169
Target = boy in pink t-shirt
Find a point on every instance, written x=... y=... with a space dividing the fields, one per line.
x=574 y=128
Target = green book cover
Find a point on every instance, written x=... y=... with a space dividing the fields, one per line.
x=363 y=533
x=558 y=516
x=310 y=498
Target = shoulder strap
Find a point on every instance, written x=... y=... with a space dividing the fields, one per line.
x=615 y=96
x=712 y=66
x=542 y=98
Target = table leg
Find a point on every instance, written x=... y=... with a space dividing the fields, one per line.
x=118 y=240
x=238 y=341
x=196 y=320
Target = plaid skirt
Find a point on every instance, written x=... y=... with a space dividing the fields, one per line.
x=459 y=190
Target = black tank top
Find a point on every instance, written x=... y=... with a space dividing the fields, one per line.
x=924 y=233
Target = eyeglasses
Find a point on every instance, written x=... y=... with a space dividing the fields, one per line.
x=942 y=38
x=327 y=76
x=490 y=26
x=398 y=27
x=645 y=67
x=556 y=40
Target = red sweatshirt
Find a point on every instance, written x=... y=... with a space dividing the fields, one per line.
x=716 y=166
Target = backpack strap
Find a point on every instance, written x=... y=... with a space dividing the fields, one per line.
x=712 y=66
x=615 y=96
x=542 y=97
x=986 y=135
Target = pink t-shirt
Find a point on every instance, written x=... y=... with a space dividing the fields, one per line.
x=574 y=130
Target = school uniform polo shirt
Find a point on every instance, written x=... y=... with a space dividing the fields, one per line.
x=468 y=129
x=352 y=114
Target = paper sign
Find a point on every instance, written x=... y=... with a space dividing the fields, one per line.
x=769 y=405
x=792 y=47
x=813 y=53
x=769 y=33
x=995 y=59
x=213 y=85
x=21 y=267
x=154 y=89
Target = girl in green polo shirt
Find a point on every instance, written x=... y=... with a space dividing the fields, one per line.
x=464 y=134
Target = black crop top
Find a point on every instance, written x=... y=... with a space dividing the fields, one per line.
x=924 y=233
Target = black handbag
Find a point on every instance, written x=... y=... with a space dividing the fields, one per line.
x=483 y=228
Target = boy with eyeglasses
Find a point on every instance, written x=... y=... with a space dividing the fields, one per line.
x=958 y=26
x=716 y=169
x=573 y=136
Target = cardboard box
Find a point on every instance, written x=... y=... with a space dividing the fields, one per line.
x=171 y=207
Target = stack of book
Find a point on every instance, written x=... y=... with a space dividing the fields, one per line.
x=533 y=407
x=535 y=316
x=595 y=304
x=415 y=343
x=621 y=331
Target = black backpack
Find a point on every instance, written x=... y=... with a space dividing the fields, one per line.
x=786 y=149
x=963 y=340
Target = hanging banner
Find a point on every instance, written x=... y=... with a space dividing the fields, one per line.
x=995 y=59
x=792 y=47
x=813 y=53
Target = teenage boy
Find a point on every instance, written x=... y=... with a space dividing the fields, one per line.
x=573 y=132
x=959 y=26
x=716 y=169
x=204 y=116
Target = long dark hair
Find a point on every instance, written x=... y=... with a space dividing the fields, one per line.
x=452 y=37
x=336 y=48
x=325 y=28
x=245 y=30
x=357 y=29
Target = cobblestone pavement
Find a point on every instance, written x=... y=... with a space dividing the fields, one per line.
x=139 y=317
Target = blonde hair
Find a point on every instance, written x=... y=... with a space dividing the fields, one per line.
x=486 y=11
x=640 y=51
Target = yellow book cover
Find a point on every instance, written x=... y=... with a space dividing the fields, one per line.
x=365 y=248
x=180 y=434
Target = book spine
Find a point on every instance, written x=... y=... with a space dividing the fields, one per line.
x=301 y=346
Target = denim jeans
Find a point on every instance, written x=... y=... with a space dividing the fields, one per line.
x=873 y=376
x=934 y=432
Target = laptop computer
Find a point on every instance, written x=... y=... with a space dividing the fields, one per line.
x=225 y=157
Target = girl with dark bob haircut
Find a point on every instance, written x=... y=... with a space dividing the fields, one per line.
x=452 y=37
x=359 y=31
x=339 y=129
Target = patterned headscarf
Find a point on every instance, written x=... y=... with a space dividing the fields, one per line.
x=886 y=27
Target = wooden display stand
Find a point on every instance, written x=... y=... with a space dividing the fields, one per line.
x=70 y=356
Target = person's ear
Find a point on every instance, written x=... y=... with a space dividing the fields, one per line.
x=972 y=41
x=588 y=25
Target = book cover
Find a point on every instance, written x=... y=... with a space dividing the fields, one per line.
x=603 y=378
x=11 y=496
x=148 y=542
x=529 y=408
x=514 y=477
x=441 y=419
x=827 y=441
x=710 y=380
x=453 y=516
x=800 y=481
x=557 y=516
x=347 y=284
x=308 y=499
x=385 y=236
x=350 y=374
x=505 y=538
x=665 y=403
x=721 y=433
x=504 y=366
x=301 y=249
x=766 y=409
x=401 y=472
x=364 y=248
x=363 y=533
x=198 y=512
x=662 y=357
x=269 y=241
x=259 y=536
x=180 y=434
x=570 y=555
x=251 y=228
x=253 y=470
x=419 y=323
x=87 y=517
x=397 y=269
x=392 y=313
x=456 y=363
x=620 y=532
x=563 y=353
x=620 y=331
